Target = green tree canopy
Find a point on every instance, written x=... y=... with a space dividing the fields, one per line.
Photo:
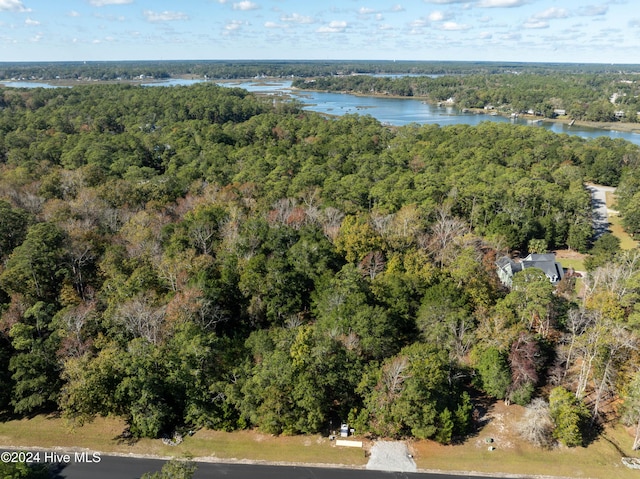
x=37 y=268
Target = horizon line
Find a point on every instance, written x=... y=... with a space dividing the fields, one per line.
x=290 y=60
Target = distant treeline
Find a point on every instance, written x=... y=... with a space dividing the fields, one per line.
x=229 y=69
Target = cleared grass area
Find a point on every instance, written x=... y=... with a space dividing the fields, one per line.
x=600 y=460
x=626 y=241
x=575 y=263
x=570 y=259
x=260 y=447
x=615 y=222
x=102 y=435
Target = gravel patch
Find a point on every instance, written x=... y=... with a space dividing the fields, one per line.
x=599 y=205
x=391 y=456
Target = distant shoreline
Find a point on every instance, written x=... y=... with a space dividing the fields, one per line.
x=610 y=126
x=625 y=127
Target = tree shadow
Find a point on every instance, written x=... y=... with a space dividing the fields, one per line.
x=8 y=415
x=482 y=404
x=54 y=415
x=591 y=432
x=126 y=437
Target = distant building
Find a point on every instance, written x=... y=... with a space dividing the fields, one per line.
x=545 y=262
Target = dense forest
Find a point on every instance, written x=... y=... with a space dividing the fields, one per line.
x=188 y=257
x=601 y=97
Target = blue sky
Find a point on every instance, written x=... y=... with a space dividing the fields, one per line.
x=603 y=31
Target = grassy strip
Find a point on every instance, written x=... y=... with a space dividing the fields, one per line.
x=260 y=447
x=575 y=263
x=601 y=460
x=102 y=435
x=615 y=224
x=626 y=241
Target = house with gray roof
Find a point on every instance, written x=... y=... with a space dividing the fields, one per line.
x=507 y=267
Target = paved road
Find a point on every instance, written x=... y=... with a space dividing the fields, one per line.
x=125 y=468
x=114 y=467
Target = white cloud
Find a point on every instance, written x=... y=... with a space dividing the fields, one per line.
x=333 y=27
x=511 y=37
x=274 y=25
x=485 y=35
x=37 y=38
x=535 y=23
x=31 y=22
x=501 y=3
x=453 y=26
x=593 y=10
x=245 y=6
x=102 y=3
x=73 y=13
x=419 y=23
x=366 y=11
x=539 y=20
x=446 y=2
x=165 y=16
x=438 y=16
x=297 y=18
x=13 y=6
x=552 y=12
x=397 y=8
x=233 y=26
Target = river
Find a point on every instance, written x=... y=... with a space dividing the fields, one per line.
x=402 y=111
x=392 y=111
